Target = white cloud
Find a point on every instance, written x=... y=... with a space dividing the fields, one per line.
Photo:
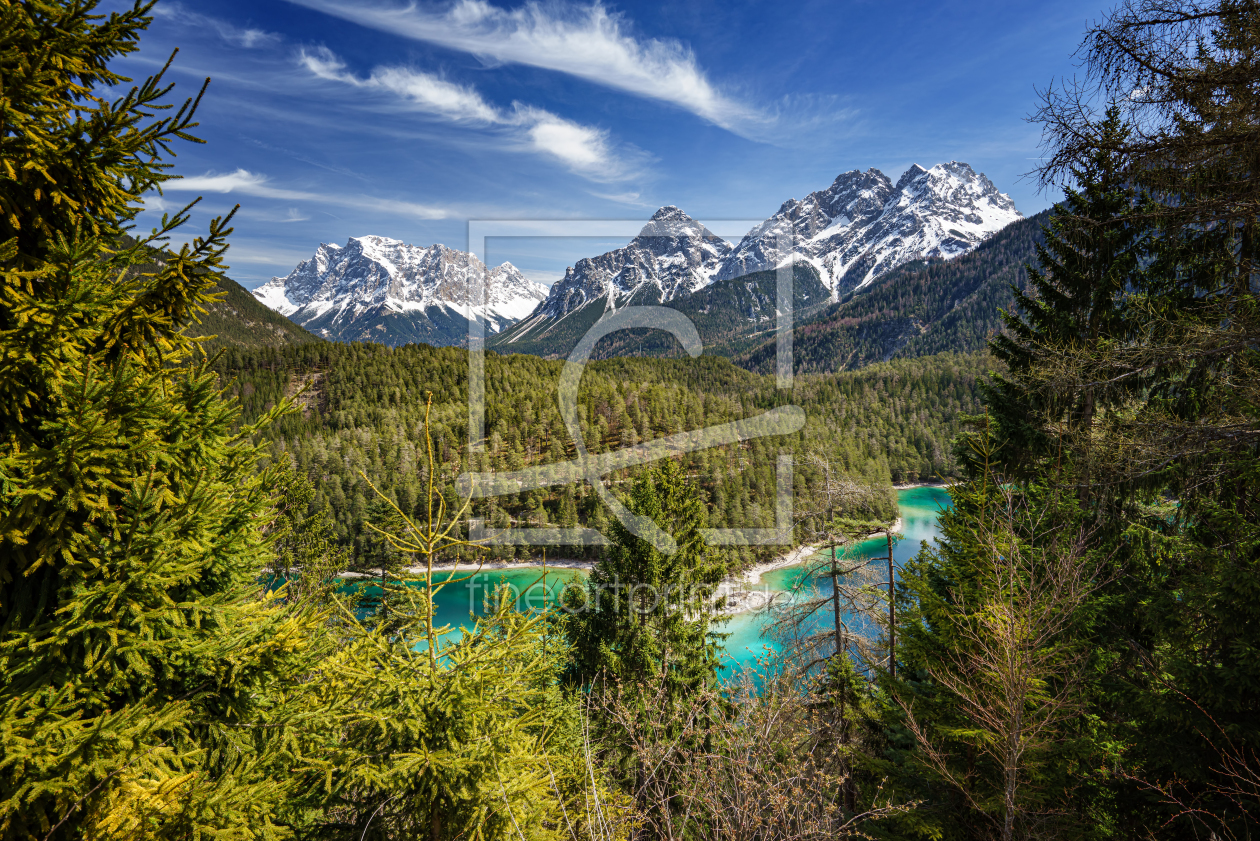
x=248 y=183
x=424 y=90
x=240 y=181
x=278 y=215
x=633 y=199
x=580 y=147
x=584 y=41
x=247 y=37
x=586 y=150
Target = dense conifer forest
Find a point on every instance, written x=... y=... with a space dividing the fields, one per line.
x=1077 y=657
x=363 y=404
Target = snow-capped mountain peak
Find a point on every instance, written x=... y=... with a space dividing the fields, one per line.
x=672 y=255
x=863 y=225
x=915 y=171
x=343 y=290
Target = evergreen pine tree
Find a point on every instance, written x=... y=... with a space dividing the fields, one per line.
x=646 y=616
x=1142 y=393
x=134 y=638
x=1090 y=260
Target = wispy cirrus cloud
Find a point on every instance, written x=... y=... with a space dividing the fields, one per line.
x=244 y=182
x=632 y=199
x=423 y=90
x=238 y=36
x=586 y=150
x=586 y=41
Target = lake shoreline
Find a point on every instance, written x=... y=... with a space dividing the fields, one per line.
x=743 y=591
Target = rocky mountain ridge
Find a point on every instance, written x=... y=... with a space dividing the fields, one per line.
x=864 y=226
x=860 y=228
x=673 y=256
x=380 y=289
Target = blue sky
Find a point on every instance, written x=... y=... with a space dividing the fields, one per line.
x=328 y=119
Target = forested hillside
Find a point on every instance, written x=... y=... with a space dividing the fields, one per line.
x=917 y=310
x=238 y=320
x=363 y=406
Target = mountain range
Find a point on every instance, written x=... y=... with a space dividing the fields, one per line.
x=863 y=225
x=377 y=289
x=842 y=239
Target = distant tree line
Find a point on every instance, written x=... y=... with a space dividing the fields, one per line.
x=363 y=404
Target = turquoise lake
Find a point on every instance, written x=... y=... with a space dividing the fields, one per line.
x=465 y=592
x=920 y=510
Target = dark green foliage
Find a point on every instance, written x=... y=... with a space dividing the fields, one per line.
x=987 y=718
x=364 y=407
x=230 y=316
x=916 y=310
x=1094 y=248
x=307 y=558
x=645 y=616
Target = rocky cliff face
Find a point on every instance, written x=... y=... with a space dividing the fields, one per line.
x=863 y=225
x=380 y=289
x=673 y=255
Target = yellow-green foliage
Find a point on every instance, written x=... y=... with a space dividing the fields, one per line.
x=477 y=741
x=71 y=159
x=150 y=686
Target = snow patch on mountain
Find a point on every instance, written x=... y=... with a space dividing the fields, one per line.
x=863 y=225
x=371 y=276
x=672 y=255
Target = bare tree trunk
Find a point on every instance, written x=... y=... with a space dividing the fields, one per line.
x=892 y=611
x=835 y=596
x=1008 y=805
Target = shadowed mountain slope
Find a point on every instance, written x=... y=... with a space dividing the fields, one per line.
x=920 y=309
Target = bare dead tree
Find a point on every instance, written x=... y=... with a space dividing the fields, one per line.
x=840 y=517
x=855 y=594
x=1184 y=73
x=759 y=772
